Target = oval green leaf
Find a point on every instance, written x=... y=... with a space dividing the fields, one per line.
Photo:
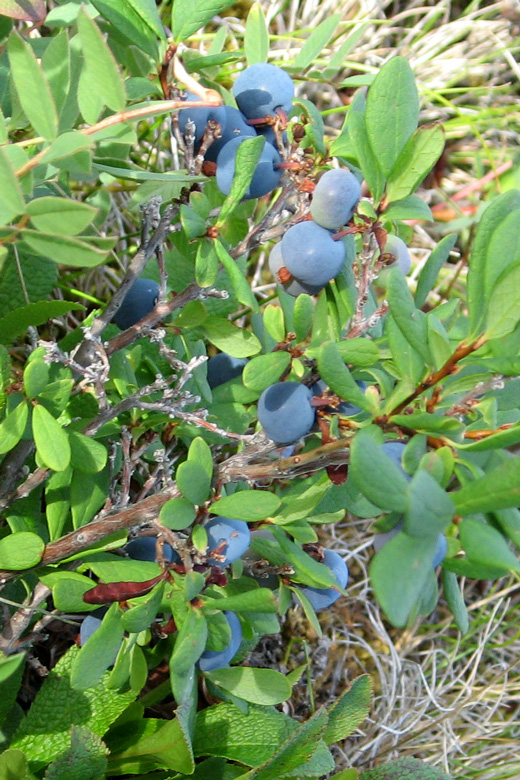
x=52 y=443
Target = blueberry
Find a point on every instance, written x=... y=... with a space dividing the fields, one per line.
x=262 y=88
x=265 y=178
x=321 y=598
x=440 y=552
x=230 y=537
x=143 y=549
x=137 y=303
x=394 y=450
x=201 y=116
x=285 y=412
x=396 y=247
x=335 y=197
x=293 y=286
x=311 y=254
x=235 y=127
x=90 y=624
x=211 y=660
x=223 y=367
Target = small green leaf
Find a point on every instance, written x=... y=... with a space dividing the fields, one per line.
x=392 y=111
x=190 y=642
x=453 y=596
x=256 y=37
x=32 y=87
x=246 y=161
x=177 y=514
x=499 y=489
x=206 y=263
x=35 y=378
x=335 y=373
x=21 y=550
x=17 y=321
x=260 y=600
x=377 y=477
x=126 y=18
x=402 y=769
x=102 y=71
x=13 y=427
x=485 y=545
x=416 y=160
x=424 y=422
x=60 y=215
x=248 y=505
x=241 y=286
x=316 y=42
x=398 y=574
x=237 y=342
x=274 y=322
x=135 y=173
x=88 y=493
x=87 y=454
x=13 y=765
x=199 y=452
x=11 y=197
x=504 y=304
x=265 y=370
x=52 y=442
x=411 y=321
x=193 y=482
x=188 y=17
x=302 y=316
x=141 y=616
x=259 y=686
x=84 y=760
x=357 y=136
x=412 y=207
x=99 y=652
x=68 y=591
x=349 y=710
x=430 y=271
x=64 y=249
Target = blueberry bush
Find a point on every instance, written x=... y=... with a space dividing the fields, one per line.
x=209 y=350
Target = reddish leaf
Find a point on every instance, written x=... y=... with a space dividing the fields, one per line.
x=27 y=10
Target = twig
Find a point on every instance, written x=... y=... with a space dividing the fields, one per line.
x=18 y=623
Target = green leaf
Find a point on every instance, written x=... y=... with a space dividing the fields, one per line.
x=193 y=482
x=87 y=455
x=489 y=232
x=295 y=752
x=302 y=316
x=88 y=493
x=126 y=18
x=453 y=596
x=377 y=477
x=11 y=197
x=316 y=42
x=237 y=342
x=274 y=322
x=13 y=427
x=392 y=112
x=334 y=372
x=251 y=739
x=246 y=161
x=60 y=215
x=349 y=710
x=499 y=489
x=307 y=568
x=95 y=709
x=52 y=442
x=190 y=642
x=177 y=514
x=99 y=652
x=84 y=760
x=398 y=574
x=29 y=11
x=504 y=304
x=404 y=769
x=410 y=321
x=13 y=765
x=141 y=616
x=259 y=686
x=248 y=505
x=506 y=438
x=241 y=286
x=67 y=145
x=32 y=314
x=68 y=591
x=32 y=87
x=35 y=378
x=64 y=249
x=164 y=746
x=358 y=351
x=21 y=550
x=255 y=600
x=411 y=207
x=424 y=422
x=134 y=173
x=57 y=502
x=416 y=160
x=485 y=545
x=430 y=508
x=102 y=71
x=256 y=36
x=430 y=271
x=265 y=370
x=188 y=17
x=206 y=263
x=357 y=135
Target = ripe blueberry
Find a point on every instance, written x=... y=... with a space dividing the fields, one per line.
x=311 y=254
x=265 y=178
x=137 y=303
x=335 y=197
x=262 y=88
x=228 y=539
x=211 y=660
x=223 y=367
x=321 y=598
x=285 y=412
